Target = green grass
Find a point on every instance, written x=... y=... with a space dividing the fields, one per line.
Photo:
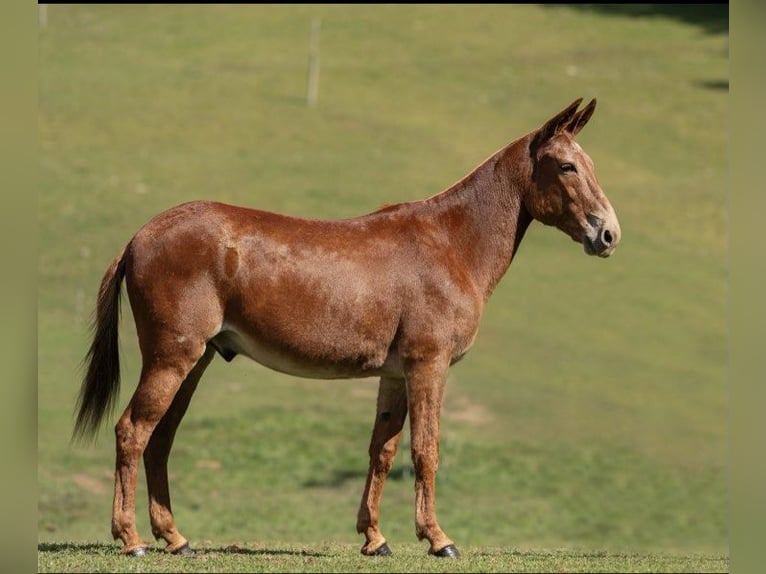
x=590 y=416
x=334 y=557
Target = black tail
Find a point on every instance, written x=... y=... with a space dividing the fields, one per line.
x=101 y=384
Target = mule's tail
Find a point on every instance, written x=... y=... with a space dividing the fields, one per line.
x=101 y=384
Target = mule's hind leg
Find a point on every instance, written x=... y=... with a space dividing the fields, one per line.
x=161 y=377
x=156 y=460
x=389 y=420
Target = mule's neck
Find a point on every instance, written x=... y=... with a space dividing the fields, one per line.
x=485 y=214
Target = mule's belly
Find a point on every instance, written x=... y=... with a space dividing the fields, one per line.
x=320 y=363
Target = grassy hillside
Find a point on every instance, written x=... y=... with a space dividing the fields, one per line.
x=591 y=413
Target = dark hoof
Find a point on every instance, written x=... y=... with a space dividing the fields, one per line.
x=382 y=550
x=184 y=550
x=140 y=551
x=448 y=551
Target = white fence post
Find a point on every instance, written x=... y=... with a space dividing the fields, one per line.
x=313 y=80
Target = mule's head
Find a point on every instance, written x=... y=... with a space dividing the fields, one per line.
x=565 y=192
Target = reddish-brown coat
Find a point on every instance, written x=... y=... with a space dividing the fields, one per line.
x=397 y=293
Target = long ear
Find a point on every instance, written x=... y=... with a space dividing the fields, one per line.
x=555 y=124
x=581 y=118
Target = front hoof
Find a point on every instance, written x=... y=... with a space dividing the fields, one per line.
x=138 y=551
x=382 y=550
x=448 y=551
x=184 y=550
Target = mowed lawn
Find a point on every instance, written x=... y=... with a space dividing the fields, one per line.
x=590 y=416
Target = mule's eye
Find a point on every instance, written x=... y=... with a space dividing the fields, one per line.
x=567 y=167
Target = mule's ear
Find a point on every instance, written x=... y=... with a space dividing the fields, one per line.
x=557 y=123
x=581 y=118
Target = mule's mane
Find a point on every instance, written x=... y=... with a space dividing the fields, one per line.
x=481 y=216
x=494 y=167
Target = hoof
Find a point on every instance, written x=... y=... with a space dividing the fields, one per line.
x=382 y=550
x=448 y=551
x=139 y=551
x=184 y=550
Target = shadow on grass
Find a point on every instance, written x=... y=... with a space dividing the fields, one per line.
x=74 y=546
x=336 y=479
x=339 y=477
x=722 y=85
x=234 y=549
x=712 y=18
x=103 y=548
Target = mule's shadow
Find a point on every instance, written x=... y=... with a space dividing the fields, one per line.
x=336 y=479
x=103 y=548
x=339 y=477
x=234 y=549
x=73 y=546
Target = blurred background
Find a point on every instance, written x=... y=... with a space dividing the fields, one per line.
x=591 y=412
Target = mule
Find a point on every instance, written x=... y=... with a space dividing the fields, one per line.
x=397 y=294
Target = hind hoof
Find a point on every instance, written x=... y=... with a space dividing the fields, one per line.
x=448 y=551
x=184 y=550
x=382 y=550
x=140 y=551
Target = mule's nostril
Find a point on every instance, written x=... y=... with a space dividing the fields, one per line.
x=606 y=237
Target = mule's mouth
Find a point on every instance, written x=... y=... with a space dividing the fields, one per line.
x=601 y=246
x=588 y=246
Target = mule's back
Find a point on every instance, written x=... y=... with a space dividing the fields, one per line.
x=313 y=298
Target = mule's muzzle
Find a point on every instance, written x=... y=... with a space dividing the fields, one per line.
x=602 y=240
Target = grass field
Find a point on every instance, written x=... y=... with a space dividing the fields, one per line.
x=335 y=557
x=589 y=420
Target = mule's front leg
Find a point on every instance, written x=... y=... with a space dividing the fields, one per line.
x=389 y=420
x=425 y=389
